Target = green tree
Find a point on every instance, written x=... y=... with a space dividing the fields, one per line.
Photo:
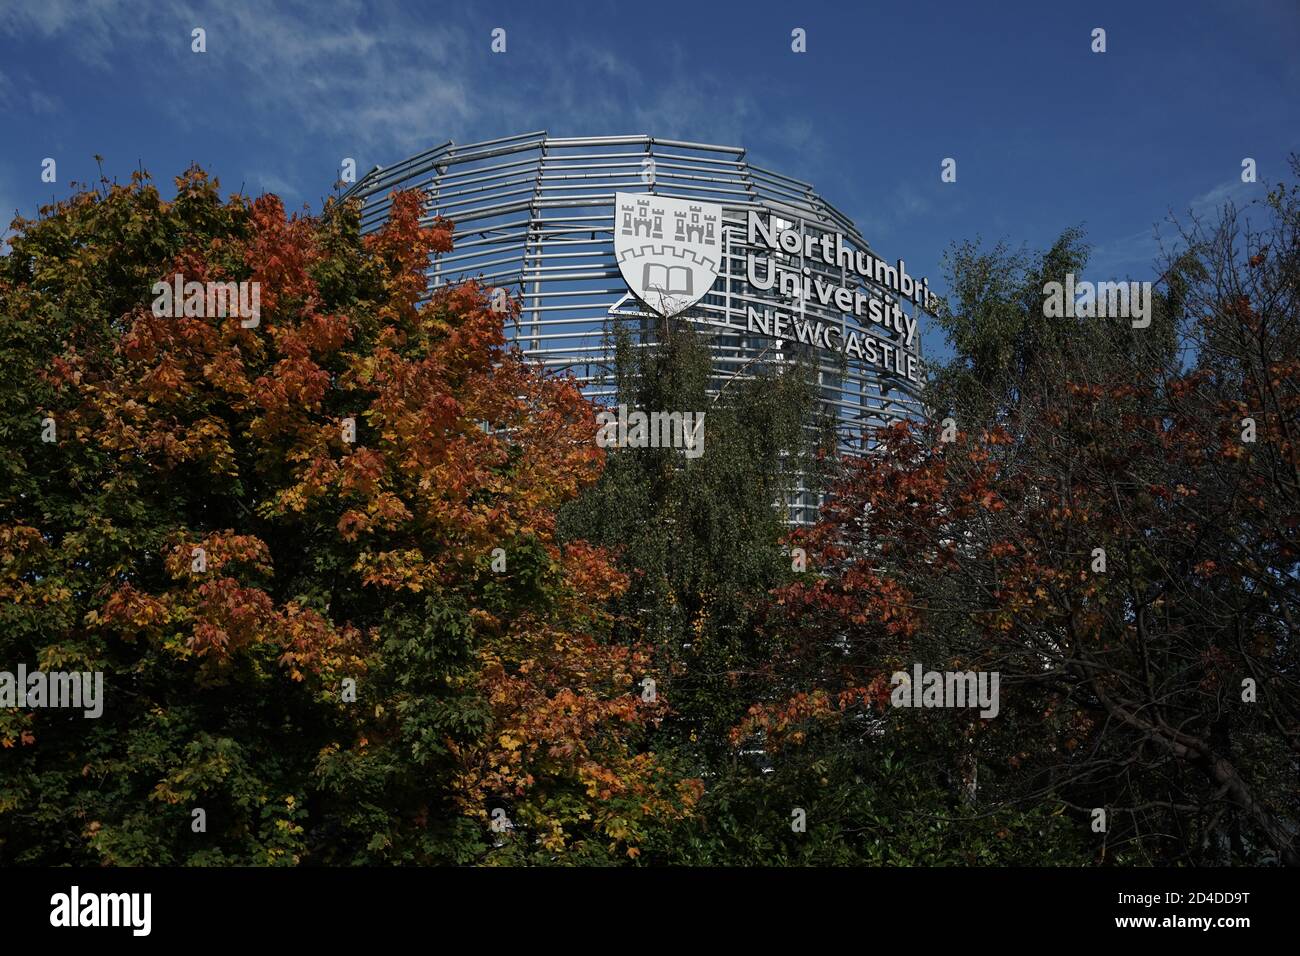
x=700 y=537
x=1113 y=532
x=239 y=517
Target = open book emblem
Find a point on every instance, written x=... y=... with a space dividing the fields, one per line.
x=668 y=250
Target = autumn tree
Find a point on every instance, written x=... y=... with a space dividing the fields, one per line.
x=704 y=549
x=1112 y=528
x=312 y=551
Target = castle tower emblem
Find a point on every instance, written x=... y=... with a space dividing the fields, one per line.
x=669 y=270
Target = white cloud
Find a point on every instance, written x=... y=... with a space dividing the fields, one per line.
x=1129 y=255
x=336 y=68
x=22 y=93
x=1141 y=251
x=271 y=183
x=1234 y=191
x=381 y=85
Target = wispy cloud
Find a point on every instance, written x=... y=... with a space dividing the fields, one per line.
x=1127 y=255
x=1140 y=251
x=333 y=67
x=380 y=85
x=271 y=183
x=396 y=83
x=19 y=93
x=90 y=27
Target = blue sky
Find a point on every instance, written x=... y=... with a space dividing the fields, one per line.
x=1046 y=134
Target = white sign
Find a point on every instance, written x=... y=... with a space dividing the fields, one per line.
x=669 y=250
x=876 y=300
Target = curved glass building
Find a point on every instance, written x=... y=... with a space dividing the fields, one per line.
x=593 y=231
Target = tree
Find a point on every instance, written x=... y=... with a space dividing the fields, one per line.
x=281 y=541
x=1107 y=537
x=699 y=537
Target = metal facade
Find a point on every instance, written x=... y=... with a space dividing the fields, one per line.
x=534 y=214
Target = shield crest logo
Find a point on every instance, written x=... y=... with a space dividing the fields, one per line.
x=669 y=250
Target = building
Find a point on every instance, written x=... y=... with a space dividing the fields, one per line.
x=590 y=232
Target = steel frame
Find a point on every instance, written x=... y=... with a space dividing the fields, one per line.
x=534 y=214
